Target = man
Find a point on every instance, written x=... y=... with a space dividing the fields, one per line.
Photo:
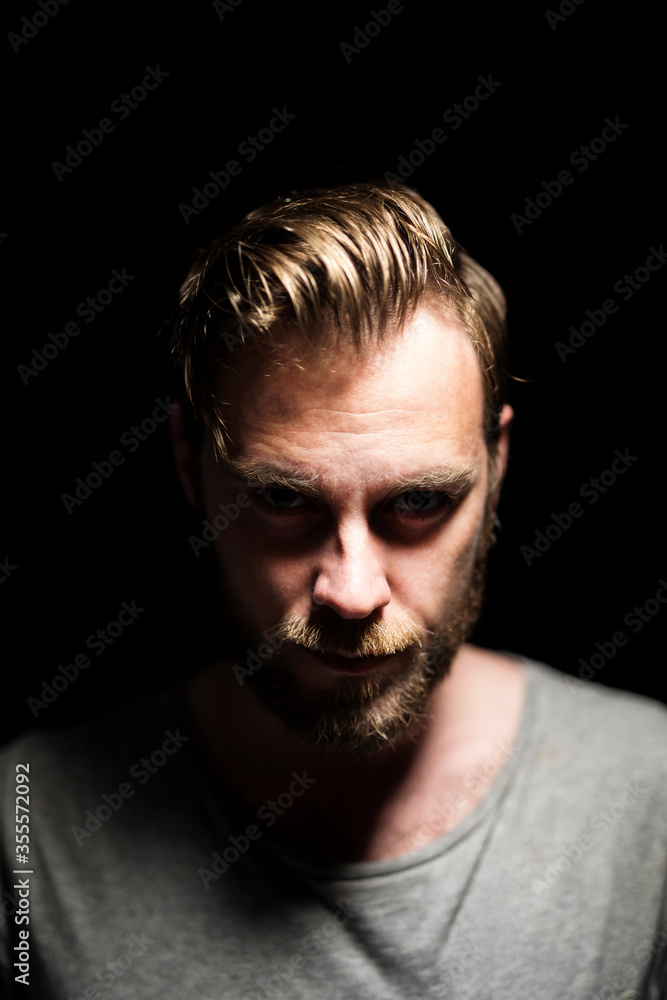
x=353 y=801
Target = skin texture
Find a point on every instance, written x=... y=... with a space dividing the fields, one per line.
x=332 y=543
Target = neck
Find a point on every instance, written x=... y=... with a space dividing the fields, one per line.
x=363 y=806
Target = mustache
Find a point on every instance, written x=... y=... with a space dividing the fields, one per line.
x=346 y=636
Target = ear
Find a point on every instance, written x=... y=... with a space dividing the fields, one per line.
x=502 y=452
x=186 y=461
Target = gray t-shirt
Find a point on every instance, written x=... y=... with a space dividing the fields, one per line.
x=148 y=880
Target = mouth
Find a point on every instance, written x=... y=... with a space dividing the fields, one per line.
x=350 y=663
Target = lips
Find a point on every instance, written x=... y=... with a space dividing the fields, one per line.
x=349 y=663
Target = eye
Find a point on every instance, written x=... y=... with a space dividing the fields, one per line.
x=421 y=502
x=282 y=499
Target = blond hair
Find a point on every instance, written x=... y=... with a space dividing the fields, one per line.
x=343 y=264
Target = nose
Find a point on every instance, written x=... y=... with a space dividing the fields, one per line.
x=351 y=578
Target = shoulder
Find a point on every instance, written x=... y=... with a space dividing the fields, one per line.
x=601 y=714
x=578 y=703
x=587 y=727
x=598 y=740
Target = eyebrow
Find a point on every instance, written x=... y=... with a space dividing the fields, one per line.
x=455 y=479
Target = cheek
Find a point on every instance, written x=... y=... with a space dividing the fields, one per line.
x=431 y=577
x=244 y=563
x=264 y=586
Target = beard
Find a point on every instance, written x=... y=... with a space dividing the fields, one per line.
x=368 y=713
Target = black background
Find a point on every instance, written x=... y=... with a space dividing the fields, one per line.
x=355 y=116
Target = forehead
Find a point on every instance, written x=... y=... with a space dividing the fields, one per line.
x=419 y=387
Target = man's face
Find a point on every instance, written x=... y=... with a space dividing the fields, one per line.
x=364 y=545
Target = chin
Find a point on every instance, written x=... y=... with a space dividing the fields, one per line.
x=362 y=714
